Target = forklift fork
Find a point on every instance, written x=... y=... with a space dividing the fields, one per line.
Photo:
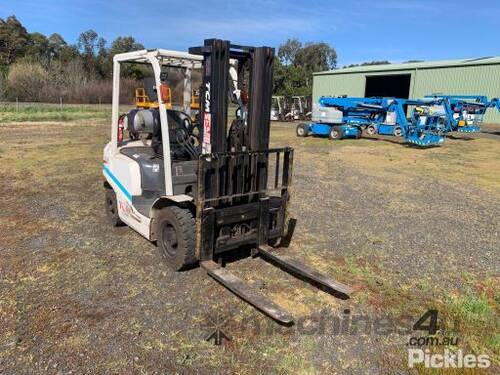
x=255 y=298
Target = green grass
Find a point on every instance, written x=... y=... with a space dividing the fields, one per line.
x=52 y=112
x=473 y=316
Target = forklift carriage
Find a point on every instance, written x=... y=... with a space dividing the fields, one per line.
x=200 y=195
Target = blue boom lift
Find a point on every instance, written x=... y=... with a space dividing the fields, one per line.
x=345 y=117
x=465 y=113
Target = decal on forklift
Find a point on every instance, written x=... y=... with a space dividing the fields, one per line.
x=207 y=127
x=207 y=122
x=118 y=183
x=207 y=97
x=128 y=210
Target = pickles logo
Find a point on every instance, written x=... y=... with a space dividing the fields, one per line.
x=445 y=359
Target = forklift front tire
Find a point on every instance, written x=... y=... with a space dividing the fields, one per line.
x=302 y=130
x=176 y=237
x=112 y=208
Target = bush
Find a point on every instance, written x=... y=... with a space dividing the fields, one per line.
x=26 y=81
x=30 y=82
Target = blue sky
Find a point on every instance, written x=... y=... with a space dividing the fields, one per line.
x=360 y=30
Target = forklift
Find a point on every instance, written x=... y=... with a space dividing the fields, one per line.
x=277 y=108
x=201 y=195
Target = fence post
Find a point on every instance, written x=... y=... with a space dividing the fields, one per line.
x=17 y=104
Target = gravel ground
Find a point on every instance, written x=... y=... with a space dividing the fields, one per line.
x=406 y=228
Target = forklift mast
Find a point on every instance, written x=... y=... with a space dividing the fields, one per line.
x=214 y=93
x=233 y=192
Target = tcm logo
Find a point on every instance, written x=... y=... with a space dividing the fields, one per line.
x=447 y=359
x=207 y=97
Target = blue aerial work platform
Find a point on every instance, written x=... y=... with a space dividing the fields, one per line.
x=345 y=117
x=465 y=113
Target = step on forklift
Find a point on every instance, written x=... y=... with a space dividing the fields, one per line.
x=201 y=195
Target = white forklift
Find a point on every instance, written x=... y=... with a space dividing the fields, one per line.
x=201 y=194
x=277 y=108
x=299 y=109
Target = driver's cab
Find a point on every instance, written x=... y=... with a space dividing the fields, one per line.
x=153 y=151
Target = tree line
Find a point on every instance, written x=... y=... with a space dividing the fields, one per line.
x=35 y=67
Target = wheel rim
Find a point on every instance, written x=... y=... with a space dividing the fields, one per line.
x=371 y=130
x=397 y=132
x=169 y=239
x=300 y=131
x=335 y=134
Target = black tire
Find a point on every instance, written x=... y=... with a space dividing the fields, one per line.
x=358 y=134
x=302 y=130
x=371 y=130
x=112 y=208
x=176 y=237
x=335 y=132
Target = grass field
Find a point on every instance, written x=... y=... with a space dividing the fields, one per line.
x=36 y=112
x=408 y=229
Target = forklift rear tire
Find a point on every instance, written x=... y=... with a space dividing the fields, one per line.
x=335 y=132
x=176 y=237
x=112 y=208
x=302 y=130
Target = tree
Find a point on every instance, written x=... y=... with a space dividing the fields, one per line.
x=38 y=48
x=297 y=62
x=88 y=43
x=93 y=51
x=56 y=44
x=27 y=80
x=13 y=40
x=288 y=51
x=123 y=45
x=316 y=57
x=367 y=63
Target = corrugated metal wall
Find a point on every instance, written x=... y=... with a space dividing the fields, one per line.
x=470 y=80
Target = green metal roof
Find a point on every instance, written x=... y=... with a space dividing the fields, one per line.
x=416 y=65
